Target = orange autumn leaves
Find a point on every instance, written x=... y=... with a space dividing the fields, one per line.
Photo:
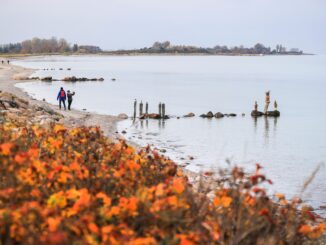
x=60 y=185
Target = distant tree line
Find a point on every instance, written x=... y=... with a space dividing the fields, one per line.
x=52 y=45
x=167 y=47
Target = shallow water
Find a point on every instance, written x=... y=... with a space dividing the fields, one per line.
x=289 y=147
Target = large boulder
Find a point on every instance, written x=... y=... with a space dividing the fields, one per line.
x=275 y=113
x=189 y=115
x=209 y=114
x=219 y=115
x=257 y=113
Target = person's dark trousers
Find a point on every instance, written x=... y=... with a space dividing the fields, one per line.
x=69 y=104
x=63 y=102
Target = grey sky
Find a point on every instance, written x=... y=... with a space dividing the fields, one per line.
x=114 y=24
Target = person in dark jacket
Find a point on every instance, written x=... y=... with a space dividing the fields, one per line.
x=62 y=98
x=69 y=96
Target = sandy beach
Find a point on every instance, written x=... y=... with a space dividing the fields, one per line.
x=70 y=118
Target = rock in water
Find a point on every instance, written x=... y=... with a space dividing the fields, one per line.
x=209 y=114
x=275 y=113
x=154 y=116
x=219 y=115
x=189 y=115
x=232 y=115
x=256 y=114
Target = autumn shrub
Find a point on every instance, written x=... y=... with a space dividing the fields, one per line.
x=75 y=186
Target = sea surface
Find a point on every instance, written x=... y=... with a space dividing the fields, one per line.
x=289 y=147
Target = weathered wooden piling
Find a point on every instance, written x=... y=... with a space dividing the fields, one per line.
x=160 y=109
x=163 y=110
x=135 y=108
x=141 y=108
x=146 y=109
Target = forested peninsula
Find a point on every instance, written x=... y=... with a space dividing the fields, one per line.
x=62 y=46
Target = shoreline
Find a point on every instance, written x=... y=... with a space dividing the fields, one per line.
x=78 y=118
x=107 y=123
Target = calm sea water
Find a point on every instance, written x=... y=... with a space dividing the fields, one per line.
x=289 y=147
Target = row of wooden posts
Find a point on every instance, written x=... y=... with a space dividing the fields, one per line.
x=161 y=109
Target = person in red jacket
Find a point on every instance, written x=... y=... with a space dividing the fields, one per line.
x=62 y=98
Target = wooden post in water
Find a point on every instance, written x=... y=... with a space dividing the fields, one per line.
x=141 y=108
x=160 y=109
x=146 y=109
x=135 y=108
x=163 y=110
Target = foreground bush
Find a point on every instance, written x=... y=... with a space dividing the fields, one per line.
x=60 y=186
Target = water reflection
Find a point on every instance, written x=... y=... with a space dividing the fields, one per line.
x=266 y=127
x=266 y=131
x=161 y=124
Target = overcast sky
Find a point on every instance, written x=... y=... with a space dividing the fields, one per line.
x=115 y=24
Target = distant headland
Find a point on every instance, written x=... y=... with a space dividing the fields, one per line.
x=167 y=48
x=37 y=46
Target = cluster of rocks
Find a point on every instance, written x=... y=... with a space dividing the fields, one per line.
x=20 y=112
x=217 y=115
x=189 y=115
x=82 y=79
x=53 y=69
x=66 y=79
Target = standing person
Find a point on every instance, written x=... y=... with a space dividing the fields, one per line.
x=267 y=101
x=69 y=96
x=8 y=62
x=2 y=61
x=62 y=98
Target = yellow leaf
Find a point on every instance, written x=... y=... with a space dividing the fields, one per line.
x=59 y=128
